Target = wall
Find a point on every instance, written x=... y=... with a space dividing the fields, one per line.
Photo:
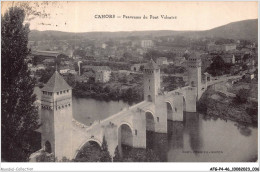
x=191 y=99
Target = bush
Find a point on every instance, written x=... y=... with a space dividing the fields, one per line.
x=242 y=96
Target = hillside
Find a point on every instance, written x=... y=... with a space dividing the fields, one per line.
x=246 y=29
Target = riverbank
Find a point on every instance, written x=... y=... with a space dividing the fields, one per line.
x=218 y=105
x=109 y=92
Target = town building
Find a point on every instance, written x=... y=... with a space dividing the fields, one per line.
x=64 y=70
x=147 y=43
x=212 y=47
x=162 y=61
x=36 y=68
x=46 y=54
x=137 y=67
x=102 y=76
x=48 y=61
x=229 y=58
x=178 y=61
x=102 y=73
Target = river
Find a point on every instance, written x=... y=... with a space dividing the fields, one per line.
x=196 y=139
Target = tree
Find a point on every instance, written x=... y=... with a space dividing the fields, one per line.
x=91 y=152
x=105 y=156
x=217 y=67
x=46 y=74
x=242 y=96
x=117 y=157
x=19 y=115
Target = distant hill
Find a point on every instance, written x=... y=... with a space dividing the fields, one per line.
x=246 y=29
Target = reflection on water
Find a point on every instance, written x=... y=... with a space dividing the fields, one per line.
x=197 y=139
x=200 y=139
x=210 y=140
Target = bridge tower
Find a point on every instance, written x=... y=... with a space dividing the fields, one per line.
x=194 y=73
x=152 y=82
x=56 y=117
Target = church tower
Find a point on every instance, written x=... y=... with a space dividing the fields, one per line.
x=152 y=82
x=194 y=72
x=56 y=117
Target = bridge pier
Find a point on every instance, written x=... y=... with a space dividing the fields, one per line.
x=160 y=115
x=139 y=121
x=191 y=99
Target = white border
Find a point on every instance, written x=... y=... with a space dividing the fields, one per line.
x=196 y=166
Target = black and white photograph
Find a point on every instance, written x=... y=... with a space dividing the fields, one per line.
x=129 y=82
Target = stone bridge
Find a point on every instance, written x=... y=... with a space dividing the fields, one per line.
x=129 y=126
x=64 y=136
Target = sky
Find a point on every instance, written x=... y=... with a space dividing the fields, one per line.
x=80 y=16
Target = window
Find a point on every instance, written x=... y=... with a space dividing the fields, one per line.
x=157 y=119
x=67 y=90
x=64 y=91
x=60 y=92
x=136 y=132
x=57 y=93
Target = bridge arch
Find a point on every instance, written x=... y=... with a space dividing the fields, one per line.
x=150 y=120
x=128 y=124
x=85 y=143
x=48 y=146
x=169 y=109
x=184 y=104
x=125 y=136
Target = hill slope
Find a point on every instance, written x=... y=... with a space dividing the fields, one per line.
x=246 y=29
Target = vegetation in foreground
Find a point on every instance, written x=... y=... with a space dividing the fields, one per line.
x=19 y=114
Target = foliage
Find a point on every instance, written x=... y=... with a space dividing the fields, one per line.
x=46 y=157
x=221 y=41
x=218 y=67
x=78 y=52
x=91 y=152
x=172 y=69
x=108 y=92
x=19 y=115
x=117 y=157
x=172 y=82
x=154 y=54
x=105 y=156
x=141 y=155
x=45 y=75
x=113 y=65
x=242 y=96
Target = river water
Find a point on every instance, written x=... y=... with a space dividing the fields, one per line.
x=196 y=139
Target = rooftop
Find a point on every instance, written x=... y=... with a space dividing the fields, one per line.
x=97 y=68
x=195 y=55
x=56 y=83
x=46 y=53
